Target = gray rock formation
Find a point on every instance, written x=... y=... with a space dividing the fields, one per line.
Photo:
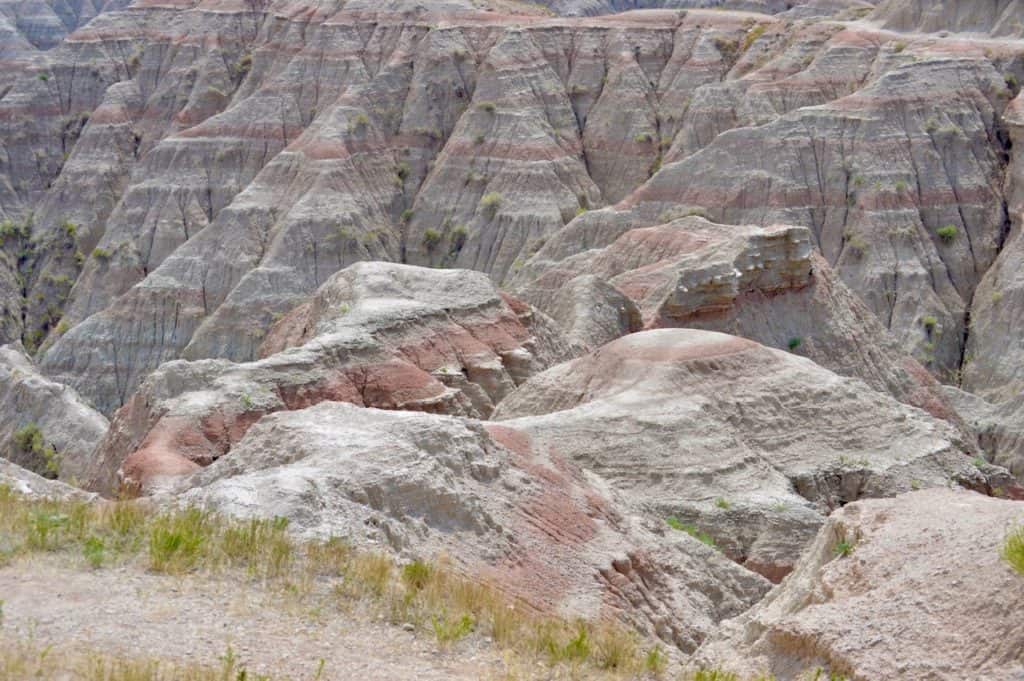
x=751 y=445
x=44 y=426
x=891 y=588
x=32 y=486
x=764 y=284
x=535 y=524
x=375 y=334
x=999 y=17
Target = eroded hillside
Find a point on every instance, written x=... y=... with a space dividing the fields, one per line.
x=518 y=284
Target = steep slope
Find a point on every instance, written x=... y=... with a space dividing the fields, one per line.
x=1000 y=17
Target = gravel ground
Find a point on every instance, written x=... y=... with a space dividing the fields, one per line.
x=193 y=620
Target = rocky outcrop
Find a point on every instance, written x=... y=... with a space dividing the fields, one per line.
x=905 y=226
x=891 y=588
x=591 y=312
x=1000 y=17
x=375 y=335
x=242 y=158
x=32 y=486
x=535 y=524
x=765 y=284
x=44 y=426
x=751 y=445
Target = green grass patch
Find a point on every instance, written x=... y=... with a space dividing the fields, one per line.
x=1013 y=549
x=677 y=524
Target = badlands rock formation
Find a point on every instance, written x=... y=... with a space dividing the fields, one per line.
x=44 y=426
x=765 y=284
x=177 y=200
x=902 y=598
x=752 y=445
x=536 y=524
x=633 y=308
x=375 y=335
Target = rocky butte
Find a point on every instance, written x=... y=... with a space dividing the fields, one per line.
x=493 y=339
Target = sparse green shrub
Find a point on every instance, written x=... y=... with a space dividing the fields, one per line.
x=448 y=630
x=490 y=202
x=44 y=528
x=431 y=238
x=856 y=243
x=101 y=253
x=727 y=47
x=723 y=503
x=929 y=322
x=901 y=186
x=560 y=645
x=614 y=648
x=242 y=66
x=843 y=548
x=406 y=216
x=258 y=544
x=402 y=171
x=643 y=138
x=655 y=662
x=948 y=233
x=899 y=46
x=1013 y=549
x=44 y=457
x=416 y=575
x=794 y=343
x=358 y=123
x=487 y=107
x=752 y=36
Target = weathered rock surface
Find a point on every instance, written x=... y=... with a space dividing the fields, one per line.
x=375 y=334
x=67 y=429
x=884 y=184
x=999 y=17
x=534 y=523
x=752 y=445
x=923 y=594
x=27 y=483
x=765 y=284
x=999 y=427
x=242 y=158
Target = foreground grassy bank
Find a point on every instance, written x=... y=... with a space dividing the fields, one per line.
x=430 y=596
